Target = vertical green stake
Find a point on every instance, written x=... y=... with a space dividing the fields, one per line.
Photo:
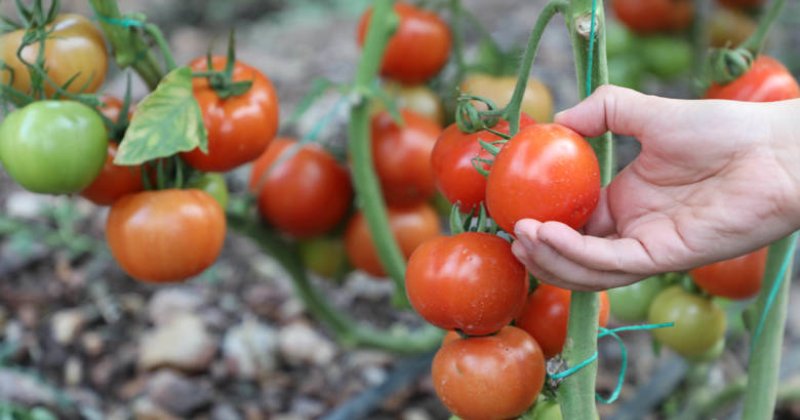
x=576 y=394
x=765 y=355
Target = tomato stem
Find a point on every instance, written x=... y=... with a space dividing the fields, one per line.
x=577 y=393
x=365 y=182
x=755 y=42
x=766 y=345
x=130 y=48
x=514 y=108
x=347 y=330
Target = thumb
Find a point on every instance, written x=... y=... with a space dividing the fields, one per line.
x=612 y=108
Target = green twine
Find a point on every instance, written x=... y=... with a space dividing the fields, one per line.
x=621 y=378
x=124 y=22
x=590 y=61
x=776 y=286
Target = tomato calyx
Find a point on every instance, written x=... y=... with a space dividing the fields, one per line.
x=471 y=222
x=726 y=65
x=222 y=81
x=35 y=16
x=470 y=120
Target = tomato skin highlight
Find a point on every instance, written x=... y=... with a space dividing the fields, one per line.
x=767 y=81
x=451 y=159
x=546 y=172
x=403 y=59
x=536 y=101
x=492 y=377
x=239 y=127
x=736 y=278
x=53 y=147
x=402 y=157
x=114 y=181
x=648 y=16
x=74 y=48
x=699 y=323
x=546 y=314
x=469 y=282
x=165 y=236
x=411 y=226
x=306 y=194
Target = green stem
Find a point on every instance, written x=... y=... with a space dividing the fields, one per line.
x=130 y=49
x=577 y=393
x=163 y=45
x=755 y=42
x=514 y=107
x=348 y=331
x=765 y=353
x=458 y=40
x=382 y=24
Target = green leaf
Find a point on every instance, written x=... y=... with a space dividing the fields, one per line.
x=166 y=122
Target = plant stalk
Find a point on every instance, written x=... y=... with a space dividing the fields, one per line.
x=766 y=344
x=755 y=42
x=576 y=394
x=365 y=182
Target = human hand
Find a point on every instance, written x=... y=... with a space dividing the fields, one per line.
x=714 y=179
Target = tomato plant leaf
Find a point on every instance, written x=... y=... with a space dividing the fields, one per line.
x=167 y=121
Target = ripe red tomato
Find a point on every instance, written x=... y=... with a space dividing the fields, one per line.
x=546 y=314
x=647 y=16
x=402 y=156
x=546 y=172
x=411 y=226
x=736 y=278
x=73 y=50
x=114 y=181
x=239 y=127
x=767 y=81
x=167 y=235
x=492 y=377
x=306 y=193
x=451 y=159
x=469 y=282
x=404 y=59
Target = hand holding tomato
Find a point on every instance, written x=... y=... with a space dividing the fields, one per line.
x=714 y=180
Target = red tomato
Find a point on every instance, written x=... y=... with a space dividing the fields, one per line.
x=469 y=282
x=546 y=172
x=114 y=181
x=766 y=81
x=167 y=235
x=647 y=16
x=410 y=226
x=451 y=159
x=419 y=48
x=306 y=194
x=239 y=127
x=493 y=377
x=402 y=156
x=737 y=278
x=546 y=314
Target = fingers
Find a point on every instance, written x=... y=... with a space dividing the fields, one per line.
x=601 y=223
x=612 y=108
x=558 y=255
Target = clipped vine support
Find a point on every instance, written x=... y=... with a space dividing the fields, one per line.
x=576 y=394
x=381 y=27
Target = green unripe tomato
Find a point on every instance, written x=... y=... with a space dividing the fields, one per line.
x=626 y=71
x=212 y=183
x=665 y=57
x=619 y=40
x=711 y=354
x=53 y=147
x=325 y=256
x=699 y=323
x=631 y=303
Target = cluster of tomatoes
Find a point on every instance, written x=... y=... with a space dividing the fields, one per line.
x=157 y=229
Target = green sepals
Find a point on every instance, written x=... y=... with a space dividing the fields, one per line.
x=168 y=121
x=726 y=65
x=456 y=221
x=479 y=164
x=492 y=147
